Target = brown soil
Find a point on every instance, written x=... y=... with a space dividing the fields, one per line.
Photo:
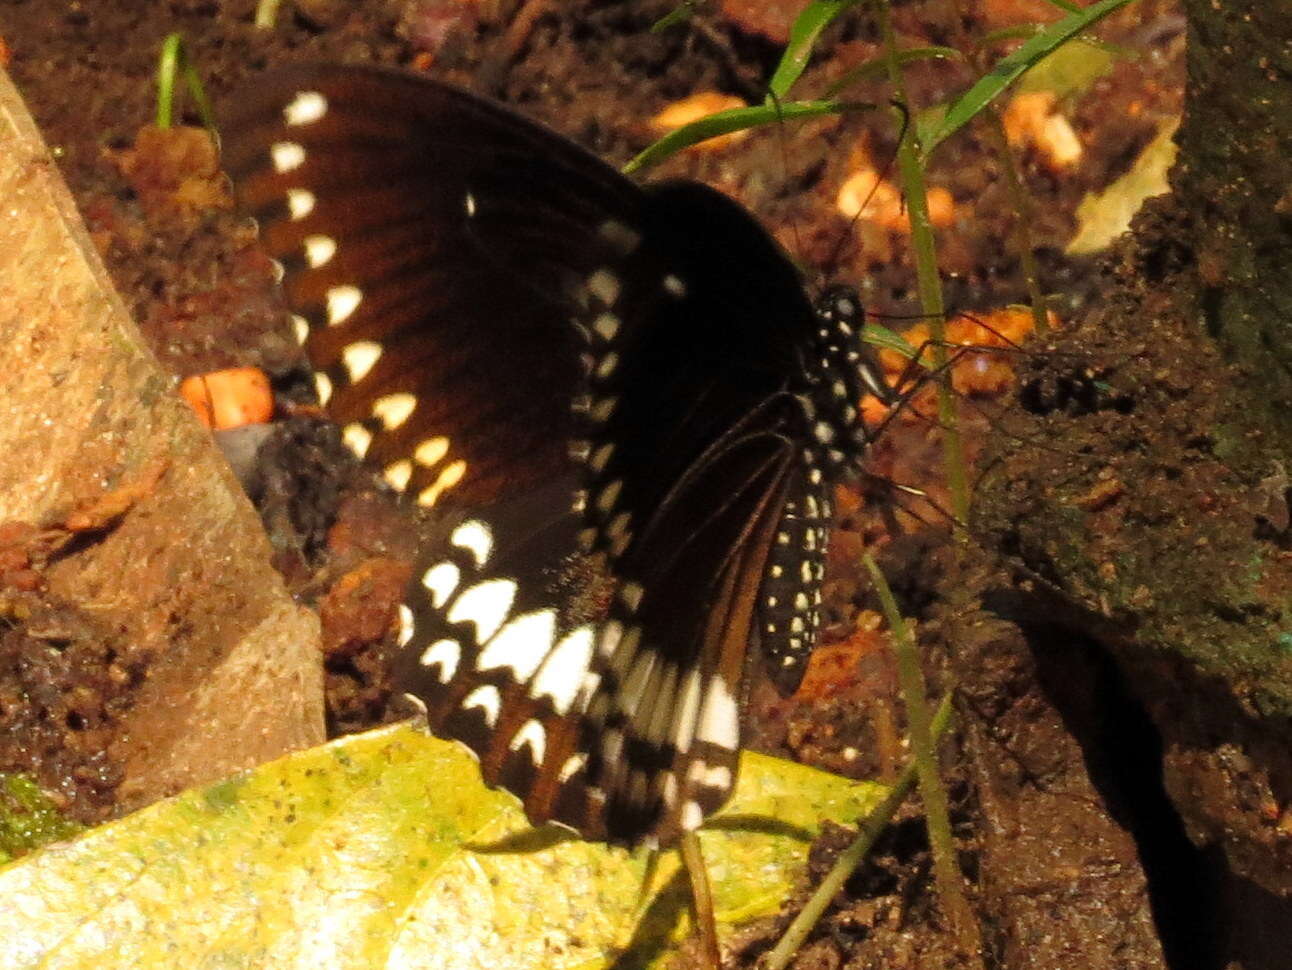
x=1073 y=852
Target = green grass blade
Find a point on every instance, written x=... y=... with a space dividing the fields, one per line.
x=174 y=61
x=805 y=30
x=679 y=14
x=1015 y=32
x=736 y=119
x=1009 y=68
x=886 y=339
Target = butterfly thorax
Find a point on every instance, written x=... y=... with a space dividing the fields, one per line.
x=838 y=370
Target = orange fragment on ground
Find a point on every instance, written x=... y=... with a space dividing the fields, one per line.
x=226 y=399
x=880 y=201
x=694 y=108
x=833 y=668
x=972 y=371
x=1032 y=118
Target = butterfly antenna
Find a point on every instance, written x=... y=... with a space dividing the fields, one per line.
x=783 y=146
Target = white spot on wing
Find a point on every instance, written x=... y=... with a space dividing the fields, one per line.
x=406 y=625
x=720 y=717
x=300 y=203
x=699 y=773
x=573 y=765
x=486 y=605
x=562 y=672
x=305 y=109
x=604 y=285
x=608 y=496
x=692 y=815
x=611 y=634
x=446 y=653
x=487 y=698
x=440 y=581
x=301 y=327
x=634 y=685
x=606 y=326
x=531 y=733
x=323 y=387
x=476 y=537
x=623 y=238
x=674 y=286
x=606 y=366
x=630 y=594
x=450 y=476
x=342 y=301
x=397 y=474
x=625 y=652
x=600 y=411
x=601 y=457
x=521 y=645
x=431 y=451
x=286 y=156
x=319 y=250
x=359 y=358
x=394 y=409
x=357 y=438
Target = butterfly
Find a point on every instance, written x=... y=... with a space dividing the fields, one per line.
x=616 y=404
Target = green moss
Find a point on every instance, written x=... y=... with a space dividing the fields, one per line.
x=28 y=818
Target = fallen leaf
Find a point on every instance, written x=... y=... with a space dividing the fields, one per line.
x=1103 y=216
x=384 y=850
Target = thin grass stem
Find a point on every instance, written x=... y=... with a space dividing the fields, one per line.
x=946 y=871
x=911 y=169
x=874 y=824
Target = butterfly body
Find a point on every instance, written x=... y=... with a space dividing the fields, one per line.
x=616 y=404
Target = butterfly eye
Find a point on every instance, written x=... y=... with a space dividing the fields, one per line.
x=539 y=353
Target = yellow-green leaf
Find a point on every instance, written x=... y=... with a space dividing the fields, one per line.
x=1071 y=70
x=1103 y=216
x=384 y=850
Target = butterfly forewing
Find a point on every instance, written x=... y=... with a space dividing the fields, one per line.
x=588 y=387
x=392 y=202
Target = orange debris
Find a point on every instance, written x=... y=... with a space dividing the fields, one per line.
x=230 y=398
x=973 y=371
x=1032 y=118
x=694 y=108
x=880 y=201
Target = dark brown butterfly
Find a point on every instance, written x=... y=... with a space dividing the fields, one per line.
x=617 y=404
